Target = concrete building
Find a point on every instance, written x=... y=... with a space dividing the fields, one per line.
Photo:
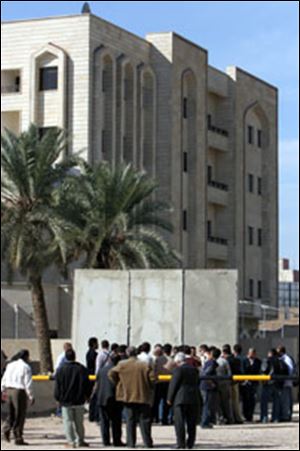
x=288 y=285
x=208 y=137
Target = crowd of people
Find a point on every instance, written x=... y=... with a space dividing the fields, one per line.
x=128 y=389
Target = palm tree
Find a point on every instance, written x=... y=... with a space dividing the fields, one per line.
x=122 y=226
x=34 y=233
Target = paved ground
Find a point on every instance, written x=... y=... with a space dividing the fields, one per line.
x=47 y=434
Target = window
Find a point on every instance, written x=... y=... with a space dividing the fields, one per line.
x=259 y=186
x=209 y=174
x=105 y=82
x=250 y=236
x=209 y=121
x=250 y=134
x=185 y=108
x=289 y=294
x=259 y=139
x=185 y=162
x=10 y=81
x=209 y=229
x=251 y=288
x=259 y=289
x=184 y=220
x=259 y=237
x=250 y=183
x=48 y=78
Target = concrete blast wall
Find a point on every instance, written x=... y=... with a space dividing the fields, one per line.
x=175 y=306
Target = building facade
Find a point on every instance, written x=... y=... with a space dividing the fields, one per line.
x=208 y=137
x=288 y=285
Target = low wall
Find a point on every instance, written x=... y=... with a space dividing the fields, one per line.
x=12 y=346
x=44 y=399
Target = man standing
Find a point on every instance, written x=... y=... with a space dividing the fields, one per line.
x=161 y=387
x=236 y=366
x=103 y=356
x=17 y=383
x=252 y=367
x=145 y=355
x=209 y=390
x=271 y=391
x=185 y=397
x=61 y=359
x=91 y=358
x=72 y=390
x=134 y=387
x=224 y=390
x=110 y=410
x=286 y=398
x=91 y=355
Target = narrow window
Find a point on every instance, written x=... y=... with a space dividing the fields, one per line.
x=259 y=138
x=184 y=220
x=251 y=288
x=259 y=289
x=259 y=237
x=209 y=229
x=209 y=174
x=209 y=121
x=185 y=162
x=250 y=183
x=48 y=78
x=250 y=134
x=185 y=108
x=250 y=236
x=259 y=186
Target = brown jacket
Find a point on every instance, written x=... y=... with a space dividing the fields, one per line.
x=134 y=381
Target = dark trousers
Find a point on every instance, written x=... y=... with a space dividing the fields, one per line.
x=160 y=396
x=209 y=407
x=249 y=401
x=93 y=410
x=111 y=416
x=270 y=394
x=17 y=408
x=186 y=416
x=224 y=402
x=138 y=413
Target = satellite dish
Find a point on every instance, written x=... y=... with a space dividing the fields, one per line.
x=86 y=9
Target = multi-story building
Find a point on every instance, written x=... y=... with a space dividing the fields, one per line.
x=288 y=285
x=208 y=137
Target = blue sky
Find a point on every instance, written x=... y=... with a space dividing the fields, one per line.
x=260 y=36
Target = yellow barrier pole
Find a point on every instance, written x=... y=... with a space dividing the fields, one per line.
x=167 y=378
x=41 y=378
x=262 y=378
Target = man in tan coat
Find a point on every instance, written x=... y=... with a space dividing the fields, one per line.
x=134 y=387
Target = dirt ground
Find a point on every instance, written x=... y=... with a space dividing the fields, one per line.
x=47 y=434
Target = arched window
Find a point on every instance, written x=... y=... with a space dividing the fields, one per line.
x=128 y=99
x=148 y=103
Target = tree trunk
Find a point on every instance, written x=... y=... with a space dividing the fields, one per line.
x=41 y=324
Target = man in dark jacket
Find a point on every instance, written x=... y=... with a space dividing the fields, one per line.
x=209 y=390
x=271 y=390
x=91 y=358
x=110 y=410
x=72 y=390
x=184 y=396
x=252 y=367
